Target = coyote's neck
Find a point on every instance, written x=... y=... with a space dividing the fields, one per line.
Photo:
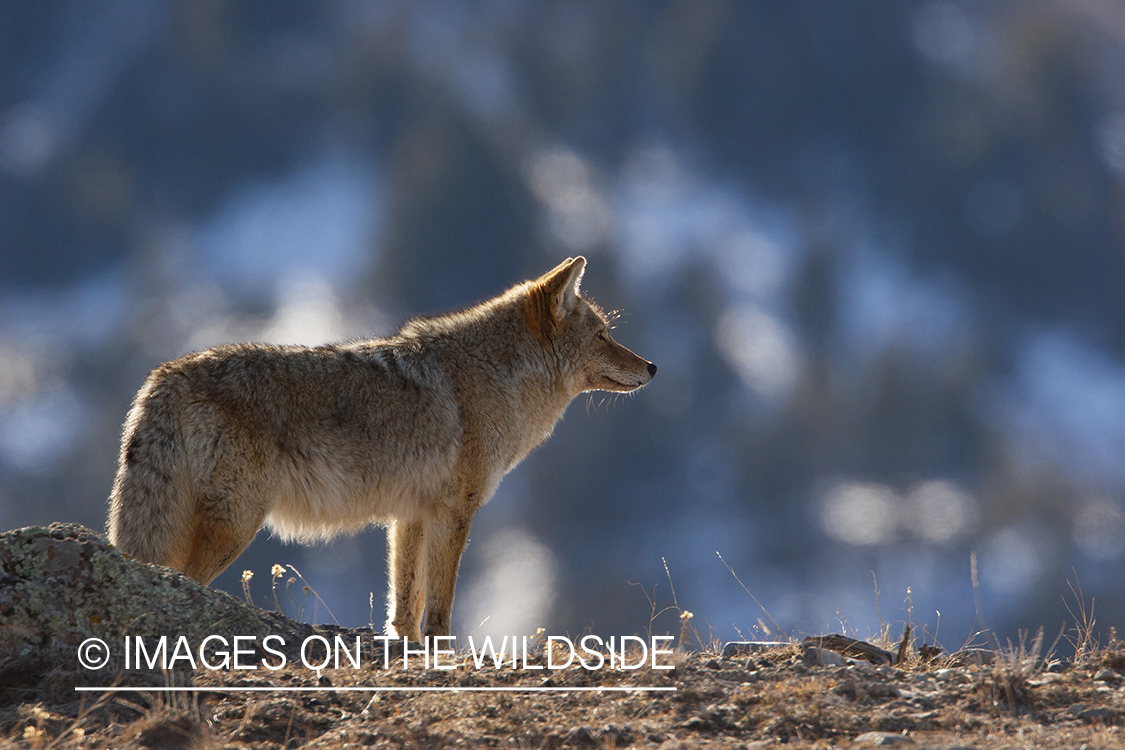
x=508 y=384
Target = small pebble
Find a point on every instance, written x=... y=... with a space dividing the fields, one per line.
x=882 y=739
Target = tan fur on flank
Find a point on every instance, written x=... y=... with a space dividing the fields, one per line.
x=414 y=431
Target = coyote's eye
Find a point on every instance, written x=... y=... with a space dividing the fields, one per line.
x=601 y=335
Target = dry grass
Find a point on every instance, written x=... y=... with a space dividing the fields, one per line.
x=769 y=696
x=1023 y=697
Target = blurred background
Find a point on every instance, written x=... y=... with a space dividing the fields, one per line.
x=877 y=250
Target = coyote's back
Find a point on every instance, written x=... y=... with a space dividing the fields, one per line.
x=413 y=431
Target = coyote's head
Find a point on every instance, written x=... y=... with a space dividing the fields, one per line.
x=577 y=331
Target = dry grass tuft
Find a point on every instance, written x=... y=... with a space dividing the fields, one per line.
x=1008 y=680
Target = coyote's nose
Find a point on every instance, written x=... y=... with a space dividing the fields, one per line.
x=651 y=369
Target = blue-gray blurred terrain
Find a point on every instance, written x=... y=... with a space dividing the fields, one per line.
x=877 y=250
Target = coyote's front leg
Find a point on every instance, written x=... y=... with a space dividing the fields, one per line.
x=445 y=541
x=405 y=579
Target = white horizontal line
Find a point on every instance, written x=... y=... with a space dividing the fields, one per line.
x=377 y=689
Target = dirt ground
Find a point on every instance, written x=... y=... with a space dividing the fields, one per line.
x=772 y=696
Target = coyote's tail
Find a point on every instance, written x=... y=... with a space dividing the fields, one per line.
x=151 y=515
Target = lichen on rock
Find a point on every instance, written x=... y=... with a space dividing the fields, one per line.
x=64 y=583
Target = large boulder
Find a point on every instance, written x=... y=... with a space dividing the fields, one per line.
x=65 y=583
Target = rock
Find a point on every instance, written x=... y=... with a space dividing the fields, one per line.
x=736 y=649
x=617 y=736
x=1105 y=674
x=172 y=730
x=847 y=688
x=63 y=584
x=928 y=653
x=1100 y=716
x=66 y=583
x=852 y=647
x=860 y=690
x=955 y=676
x=882 y=739
x=580 y=737
x=814 y=657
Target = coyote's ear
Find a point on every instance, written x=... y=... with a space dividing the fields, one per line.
x=561 y=286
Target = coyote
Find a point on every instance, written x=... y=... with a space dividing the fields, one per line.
x=413 y=432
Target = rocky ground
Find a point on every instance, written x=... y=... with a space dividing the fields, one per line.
x=806 y=695
x=768 y=698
